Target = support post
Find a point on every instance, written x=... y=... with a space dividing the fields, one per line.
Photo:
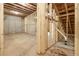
x=52 y=24
x=1 y=29
x=77 y=29
x=42 y=28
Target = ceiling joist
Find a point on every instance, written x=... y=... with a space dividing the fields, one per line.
x=25 y=9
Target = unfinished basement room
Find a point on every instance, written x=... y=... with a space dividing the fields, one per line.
x=38 y=29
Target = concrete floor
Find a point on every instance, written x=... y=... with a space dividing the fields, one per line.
x=19 y=44
x=59 y=49
x=23 y=44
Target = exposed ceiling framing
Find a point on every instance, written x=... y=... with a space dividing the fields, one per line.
x=24 y=9
x=65 y=11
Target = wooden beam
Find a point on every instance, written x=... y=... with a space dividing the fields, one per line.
x=66 y=20
x=56 y=9
x=20 y=6
x=77 y=29
x=7 y=11
x=42 y=29
x=10 y=6
x=59 y=25
x=67 y=14
x=70 y=26
x=26 y=6
x=1 y=29
x=71 y=8
x=31 y=6
x=13 y=7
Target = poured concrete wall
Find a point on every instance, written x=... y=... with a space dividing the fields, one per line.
x=30 y=24
x=13 y=24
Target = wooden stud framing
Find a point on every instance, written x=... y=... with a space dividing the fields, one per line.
x=66 y=14
x=60 y=27
x=66 y=20
x=15 y=8
x=56 y=9
x=19 y=6
x=70 y=26
x=53 y=32
x=24 y=9
x=57 y=18
x=31 y=7
x=71 y=8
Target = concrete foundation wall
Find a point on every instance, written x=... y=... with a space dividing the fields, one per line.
x=13 y=24
x=30 y=24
